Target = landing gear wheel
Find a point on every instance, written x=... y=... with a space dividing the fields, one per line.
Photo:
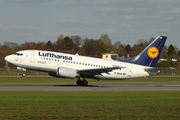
x=79 y=82
x=84 y=82
x=23 y=74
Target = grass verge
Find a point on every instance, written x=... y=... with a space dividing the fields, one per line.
x=90 y=105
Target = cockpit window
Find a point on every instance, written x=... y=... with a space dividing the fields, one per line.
x=18 y=54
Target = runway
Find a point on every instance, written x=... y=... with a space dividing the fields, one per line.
x=94 y=86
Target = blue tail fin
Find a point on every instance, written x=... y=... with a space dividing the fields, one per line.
x=151 y=54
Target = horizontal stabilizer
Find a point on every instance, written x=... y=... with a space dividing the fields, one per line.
x=156 y=69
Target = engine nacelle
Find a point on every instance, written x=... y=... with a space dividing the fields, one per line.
x=66 y=72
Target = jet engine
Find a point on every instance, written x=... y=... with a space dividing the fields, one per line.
x=66 y=72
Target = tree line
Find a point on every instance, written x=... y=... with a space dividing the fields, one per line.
x=87 y=47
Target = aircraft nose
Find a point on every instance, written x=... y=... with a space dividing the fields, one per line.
x=8 y=58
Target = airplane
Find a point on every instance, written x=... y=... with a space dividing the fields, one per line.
x=64 y=65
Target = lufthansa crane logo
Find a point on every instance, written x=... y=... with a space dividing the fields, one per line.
x=153 y=52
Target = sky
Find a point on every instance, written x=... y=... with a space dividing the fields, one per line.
x=126 y=21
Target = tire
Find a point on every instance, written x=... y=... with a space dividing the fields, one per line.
x=79 y=82
x=85 y=82
x=23 y=75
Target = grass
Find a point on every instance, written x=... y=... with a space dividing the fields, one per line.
x=90 y=105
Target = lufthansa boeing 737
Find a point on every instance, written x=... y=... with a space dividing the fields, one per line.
x=71 y=66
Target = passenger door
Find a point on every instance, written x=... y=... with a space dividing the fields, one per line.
x=33 y=57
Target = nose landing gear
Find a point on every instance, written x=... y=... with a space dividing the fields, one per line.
x=23 y=74
x=23 y=71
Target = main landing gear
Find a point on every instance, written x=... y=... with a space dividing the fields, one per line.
x=82 y=82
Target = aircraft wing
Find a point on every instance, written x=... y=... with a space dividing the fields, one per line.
x=98 y=71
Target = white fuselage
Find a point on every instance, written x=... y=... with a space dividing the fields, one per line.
x=48 y=61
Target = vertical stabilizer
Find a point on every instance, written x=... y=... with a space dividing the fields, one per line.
x=151 y=54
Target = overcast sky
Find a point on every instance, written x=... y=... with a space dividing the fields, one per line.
x=126 y=21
